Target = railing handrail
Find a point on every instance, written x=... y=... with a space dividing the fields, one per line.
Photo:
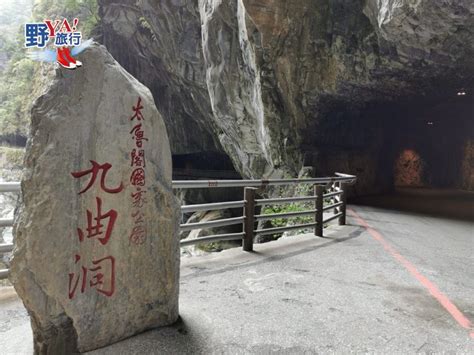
x=212 y=206
x=197 y=184
x=10 y=186
x=203 y=184
x=336 y=193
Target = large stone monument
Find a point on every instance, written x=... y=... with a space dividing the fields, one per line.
x=97 y=249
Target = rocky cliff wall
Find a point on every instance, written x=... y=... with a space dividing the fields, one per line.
x=279 y=84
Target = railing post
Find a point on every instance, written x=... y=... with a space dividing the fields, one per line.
x=318 y=192
x=249 y=221
x=335 y=187
x=342 y=208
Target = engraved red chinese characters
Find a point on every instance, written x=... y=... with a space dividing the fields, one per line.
x=138 y=111
x=94 y=225
x=139 y=199
x=138 y=135
x=94 y=277
x=101 y=275
x=96 y=167
x=138 y=157
x=137 y=177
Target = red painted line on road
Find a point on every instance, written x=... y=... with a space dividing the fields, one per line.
x=462 y=320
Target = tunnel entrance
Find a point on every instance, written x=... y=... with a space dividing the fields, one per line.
x=420 y=141
x=210 y=165
x=428 y=143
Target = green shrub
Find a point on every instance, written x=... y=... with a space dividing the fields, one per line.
x=11 y=158
x=293 y=207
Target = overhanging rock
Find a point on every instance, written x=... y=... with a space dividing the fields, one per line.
x=97 y=249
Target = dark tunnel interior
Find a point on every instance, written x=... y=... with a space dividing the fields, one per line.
x=212 y=165
x=422 y=142
x=427 y=143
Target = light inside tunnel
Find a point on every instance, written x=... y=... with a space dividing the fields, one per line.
x=408 y=169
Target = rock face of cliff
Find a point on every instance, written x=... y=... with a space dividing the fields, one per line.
x=279 y=84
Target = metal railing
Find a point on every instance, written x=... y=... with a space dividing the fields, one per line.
x=202 y=174
x=7 y=222
x=332 y=189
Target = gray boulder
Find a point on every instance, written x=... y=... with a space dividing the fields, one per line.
x=97 y=249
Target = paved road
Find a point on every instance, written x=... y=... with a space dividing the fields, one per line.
x=403 y=285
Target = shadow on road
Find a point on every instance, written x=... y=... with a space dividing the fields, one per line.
x=455 y=204
x=281 y=253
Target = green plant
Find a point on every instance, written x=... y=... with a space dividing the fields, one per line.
x=12 y=157
x=299 y=190
x=293 y=207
